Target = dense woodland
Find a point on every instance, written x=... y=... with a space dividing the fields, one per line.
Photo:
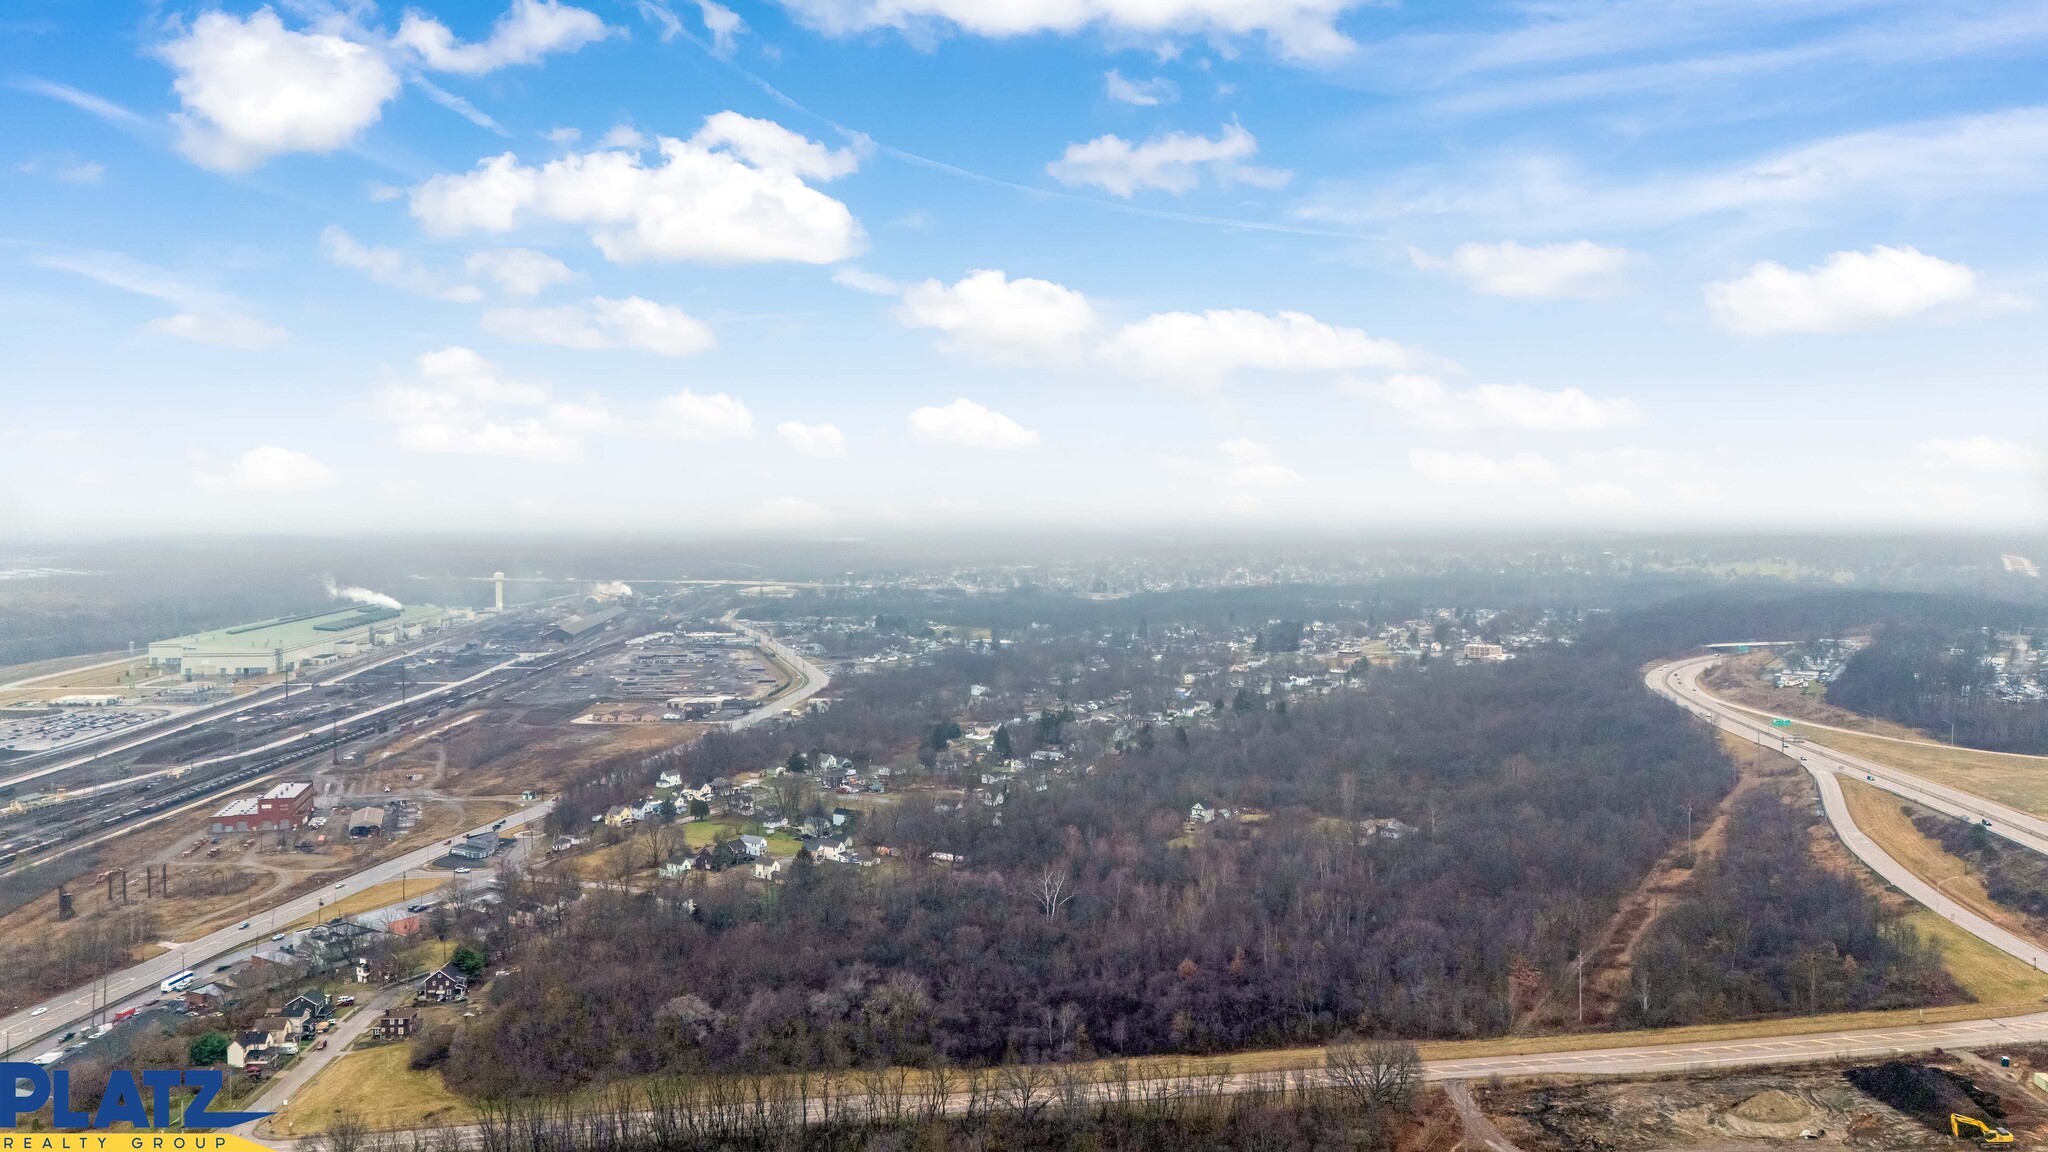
x=1935 y=679
x=1765 y=929
x=1533 y=795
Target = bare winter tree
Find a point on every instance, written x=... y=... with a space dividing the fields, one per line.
x=1379 y=1076
x=1054 y=890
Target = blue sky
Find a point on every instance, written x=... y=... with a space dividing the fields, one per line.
x=830 y=266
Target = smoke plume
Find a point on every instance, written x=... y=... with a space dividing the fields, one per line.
x=358 y=595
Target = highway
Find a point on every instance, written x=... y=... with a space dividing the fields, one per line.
x=1675 y=681
x=814 y=678
x=138 y=984
x=1680 y=682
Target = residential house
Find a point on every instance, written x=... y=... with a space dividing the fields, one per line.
x=250 y=1053
x=618 y=816
x=397 y=1024
x=835 y=849
x=304 y=1012
x=770 y=869
x=813 y=826
x=1201 y=813
x=669 y=780
x=677 y=869
x=754 y=847
x=444 y=985
x=205 y=998
x=841 y=815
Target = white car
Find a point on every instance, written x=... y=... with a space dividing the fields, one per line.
x=343 y=884
x=462 y=871
x=37 y=1011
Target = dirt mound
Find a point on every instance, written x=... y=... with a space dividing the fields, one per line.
x=1773 y=1107
x=1926 y=1094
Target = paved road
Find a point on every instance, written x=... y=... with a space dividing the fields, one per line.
x=138 y=984
x=815 y=678
x=1675 y=681
x=1680 y=681
x=278 y=1092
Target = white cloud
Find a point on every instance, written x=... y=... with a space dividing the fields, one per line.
x=205 y=317
x=1022 y=319
x=732 y=194
x=83 y=172
x=824 y=441
x=528 y=31
x=623 y=136
x=1202 y=348
x=969 y=425
x=713 y=416
x=1296 y=28
x=1983 y=454
x=223 y=329
x=1847 y=291
x=391 y=267
x=273 y=469
x=1426 y=401
x=459 y=404
x=723 y=23
x=871 y=283
x=1605 y=494
x=1175 y=162
x=1998 y=153
x=84 y=101
x=1578 y=268
x=519 y=271
x=1440 y=467
x=251 y=89
x=1143 y=93
x=1252 y=466
x=601 y=323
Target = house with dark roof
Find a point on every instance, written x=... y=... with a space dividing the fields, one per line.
x=444 y=985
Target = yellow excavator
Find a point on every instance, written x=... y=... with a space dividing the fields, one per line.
x=1958 y=1123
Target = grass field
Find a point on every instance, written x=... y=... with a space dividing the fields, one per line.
x=1983 y=971
x=370 y=899
x=2020 y=781
x=704 y=833
x=378 y=1088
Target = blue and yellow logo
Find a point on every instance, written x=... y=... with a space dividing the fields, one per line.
x=142 y=1103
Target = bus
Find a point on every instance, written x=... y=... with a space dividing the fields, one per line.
x=179 y=982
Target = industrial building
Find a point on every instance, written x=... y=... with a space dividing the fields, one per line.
x=281 y=809
x=577 y=627
x=289 y=642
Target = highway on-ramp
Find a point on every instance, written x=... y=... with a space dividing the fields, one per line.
x=1679 y=681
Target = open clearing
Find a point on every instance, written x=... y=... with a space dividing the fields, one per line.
x=376 y=1086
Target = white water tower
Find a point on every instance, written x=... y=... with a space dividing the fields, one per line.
x=498 y=579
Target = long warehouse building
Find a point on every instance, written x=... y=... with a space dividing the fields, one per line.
x=289 y=642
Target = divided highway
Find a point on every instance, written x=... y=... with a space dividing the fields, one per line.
x=1679 y=681
x=137 y=985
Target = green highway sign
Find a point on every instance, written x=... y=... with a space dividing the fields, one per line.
x=1781 y=723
